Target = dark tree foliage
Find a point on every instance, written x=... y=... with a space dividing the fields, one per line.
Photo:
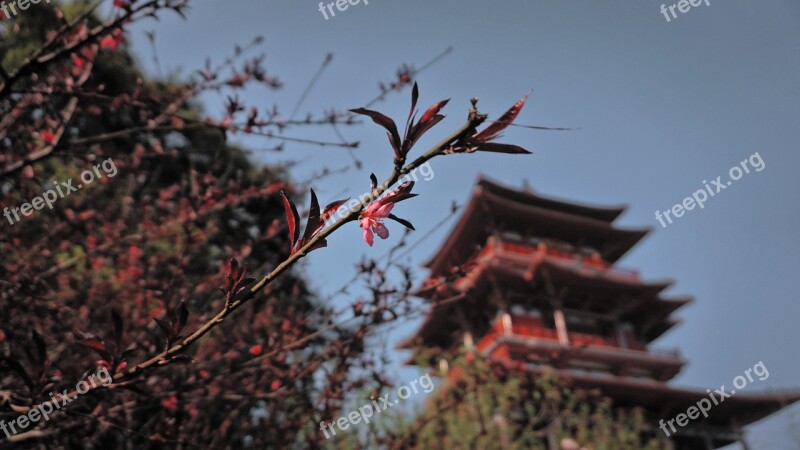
x=129 y=264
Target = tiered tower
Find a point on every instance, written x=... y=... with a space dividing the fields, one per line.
x=540 y=289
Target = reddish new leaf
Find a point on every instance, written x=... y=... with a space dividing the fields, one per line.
x=317 y=245
x=385 y=122
x=428 y=121
x=165 y=326
x=433 y=111
x=403 y=222
x=414 y=131
x=331 y=208
x=414 y=97
x=234 y=268
x=402 y=192
x=500 y=148
x=373 y=181
x=314 y=222
x=293 y=218
x=493 y=131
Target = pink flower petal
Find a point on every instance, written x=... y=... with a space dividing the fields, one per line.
x=370 y=210
x=381 y=230
x=368 y=238
x=383 y=211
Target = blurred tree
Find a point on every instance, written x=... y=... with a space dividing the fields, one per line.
x=484 y=405
x=150 y=239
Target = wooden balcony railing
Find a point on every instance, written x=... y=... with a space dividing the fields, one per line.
x=560 y=254
x=532 y=327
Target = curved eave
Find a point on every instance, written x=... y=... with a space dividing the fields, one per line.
x=459 y=229
x=659 y=329
x=605 y=214
x=592 y=279
x=668 y=400
x=650 y=306
x=612 y=242
x=745 y=408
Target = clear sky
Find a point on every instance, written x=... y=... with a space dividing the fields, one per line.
x=659 y=106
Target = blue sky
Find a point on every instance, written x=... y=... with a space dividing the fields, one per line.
x=658 y=106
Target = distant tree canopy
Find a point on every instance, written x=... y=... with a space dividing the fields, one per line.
x=485 y=405
x=81 y=284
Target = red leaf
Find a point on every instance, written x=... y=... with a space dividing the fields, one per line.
x=402 y=192
x=322 y=243
x=385 y=122
x=242 y=274
x=501 y=148
x=373 y=181
x=414 y=97
x=314 y=223
x=433 y=111
x=331 y=208
x=428 y=121
x=493 y=130
x=165 y=326
x=403 y=222
x=292 y=218
x=234 y=268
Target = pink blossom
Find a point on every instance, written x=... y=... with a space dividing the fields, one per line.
x=371 y=219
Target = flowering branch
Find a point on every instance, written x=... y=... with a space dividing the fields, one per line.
x=239 y=291
x=475 y=119
x=460 y=140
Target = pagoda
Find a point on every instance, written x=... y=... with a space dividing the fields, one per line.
x=531 y=282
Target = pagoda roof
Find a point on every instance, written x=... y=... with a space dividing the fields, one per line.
x=668 y=400
x=528 y=197
x=530 y=215
x=601 y=292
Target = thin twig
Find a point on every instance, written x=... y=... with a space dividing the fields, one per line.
x=311 y=84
